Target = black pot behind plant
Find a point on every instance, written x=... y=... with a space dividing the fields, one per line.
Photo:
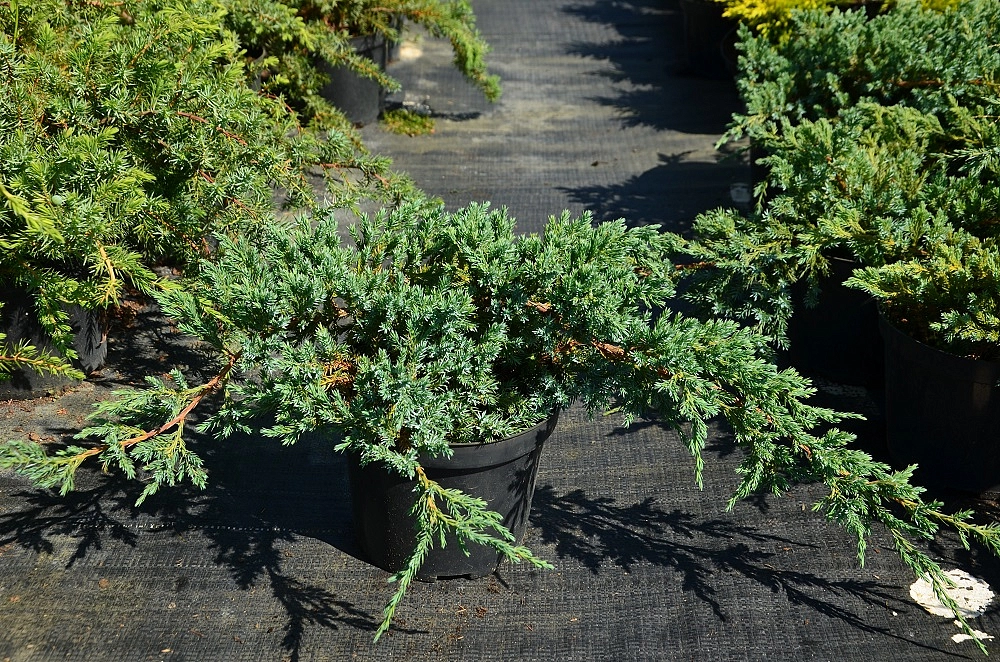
x=503 y=473
x=19 y=322
x=838 y=339
x=709 y=40
x=393 y=45
x=942 y=413
x=360 y=99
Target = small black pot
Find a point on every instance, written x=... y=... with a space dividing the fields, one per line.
x=942 y=413
x=838 y=339
x=709 y=40
x=503 y=473
x=361 y=99
x=19 y=322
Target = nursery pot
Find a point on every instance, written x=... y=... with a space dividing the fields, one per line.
x=502 y=473
x=360 y=99
x=709 y=40
x=838 y=339
x=19 y=322
x=942 y=412
x=392 y=46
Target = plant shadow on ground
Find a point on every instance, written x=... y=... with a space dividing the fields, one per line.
x=255 y=505
x=143 y=341
x=598 y=531
x=669 y=195
x=647 y=52
x=644 y=56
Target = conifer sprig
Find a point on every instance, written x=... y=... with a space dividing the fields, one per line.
x=22 y=354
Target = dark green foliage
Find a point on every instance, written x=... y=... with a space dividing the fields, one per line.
x=946 y=296
x=925 y=59
x=428 y=328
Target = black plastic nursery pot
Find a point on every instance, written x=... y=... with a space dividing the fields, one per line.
x=709 y=40
x=392 y=45
x=502 y=473
x=838 y=339
x=19 y=322
x=360 y=99
x=942 y=413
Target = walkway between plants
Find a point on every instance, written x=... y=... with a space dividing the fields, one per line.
x=263 y=566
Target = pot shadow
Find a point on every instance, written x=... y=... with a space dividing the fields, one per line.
x=253 y=507
x=598 y=530
x=645 y=54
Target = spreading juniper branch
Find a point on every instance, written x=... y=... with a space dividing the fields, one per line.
x=130 y=429
x=24 y=355
x=862 y=493
x=442 y=512
x=780 y=451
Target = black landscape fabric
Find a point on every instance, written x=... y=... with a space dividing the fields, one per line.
x=598 y=115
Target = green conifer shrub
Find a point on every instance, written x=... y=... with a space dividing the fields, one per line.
x=286 y=39
x=946 y=297
x=922 y=58
x=880 y=171
x=427 y=328
x=130 y=138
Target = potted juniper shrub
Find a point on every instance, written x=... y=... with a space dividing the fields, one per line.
x=324 y=55
x=128 y=140
x=941 y=327
x=890 y=175
x=855 y=144
x=807 y=65
x=844 y=192
x=426 y=334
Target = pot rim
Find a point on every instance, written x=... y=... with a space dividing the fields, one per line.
x=981 y=371
x=468 y=455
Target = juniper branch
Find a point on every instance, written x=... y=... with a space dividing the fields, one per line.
x=114 y=424
x=465 y=517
